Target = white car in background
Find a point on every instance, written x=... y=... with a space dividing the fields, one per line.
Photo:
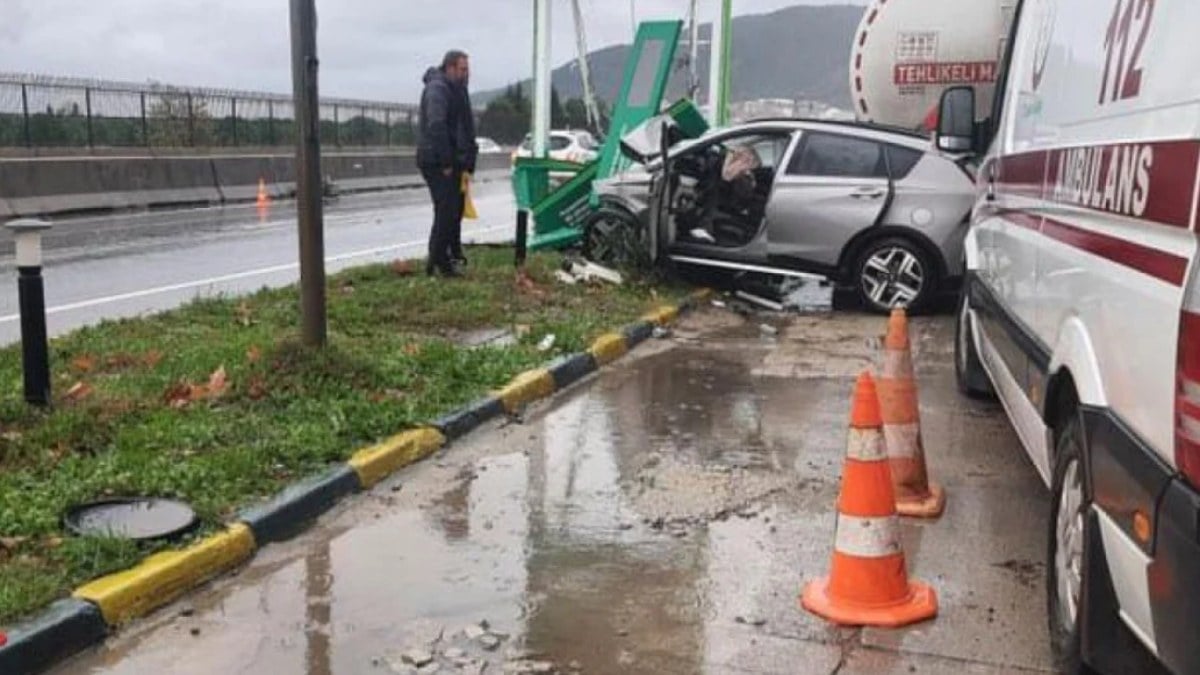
x=579 y=147
x=488 y=147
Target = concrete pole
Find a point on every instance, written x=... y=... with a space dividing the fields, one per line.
x=541 y=78
x=726 y=60
x=308 y=172
x=694 y=57
x=715 y=79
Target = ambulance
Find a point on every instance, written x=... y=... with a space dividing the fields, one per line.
x=1081 y=310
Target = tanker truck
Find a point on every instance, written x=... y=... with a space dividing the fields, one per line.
x=907 y=52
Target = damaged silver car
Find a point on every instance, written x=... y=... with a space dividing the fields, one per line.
x=875 y=210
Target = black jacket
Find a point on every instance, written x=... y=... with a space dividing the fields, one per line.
x=447 y=133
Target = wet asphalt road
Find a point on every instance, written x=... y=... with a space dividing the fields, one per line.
x=126 y=264
x=659 y=518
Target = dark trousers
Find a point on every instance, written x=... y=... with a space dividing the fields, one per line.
x=445 y=239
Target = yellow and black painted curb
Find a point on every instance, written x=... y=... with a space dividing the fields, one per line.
x=72 y=625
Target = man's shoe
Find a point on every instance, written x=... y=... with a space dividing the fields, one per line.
x=451 y=273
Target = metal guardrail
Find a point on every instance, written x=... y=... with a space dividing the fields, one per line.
x=54 y=112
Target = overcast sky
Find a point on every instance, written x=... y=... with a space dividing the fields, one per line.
x=372 y=49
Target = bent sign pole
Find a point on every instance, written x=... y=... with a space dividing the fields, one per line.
x=308 y=172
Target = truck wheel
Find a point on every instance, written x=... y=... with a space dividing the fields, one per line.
x=894 y=272
x=1069 y=547
x=968 y=369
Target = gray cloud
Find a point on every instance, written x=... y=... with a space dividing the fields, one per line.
x=373 y=49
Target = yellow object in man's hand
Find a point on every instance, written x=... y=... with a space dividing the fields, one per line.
x=469 y=212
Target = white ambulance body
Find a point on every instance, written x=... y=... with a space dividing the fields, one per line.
x=1082 y=309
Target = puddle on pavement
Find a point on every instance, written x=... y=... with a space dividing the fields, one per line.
x=660 y=520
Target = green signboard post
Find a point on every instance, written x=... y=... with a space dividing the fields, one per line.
x=559 y=214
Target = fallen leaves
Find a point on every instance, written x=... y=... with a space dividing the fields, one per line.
x=245 y=315
x=78 y=392
x=84 y=363
x=253 y=354
x=403 y=268
x=183 y=393
x=257 y=388
x=526 y=285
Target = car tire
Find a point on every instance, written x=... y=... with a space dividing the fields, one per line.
x=894 y=272
x=613 y=237
x=1069 y=547
x=973 y=380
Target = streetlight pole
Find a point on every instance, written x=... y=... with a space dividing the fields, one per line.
x=308 y=172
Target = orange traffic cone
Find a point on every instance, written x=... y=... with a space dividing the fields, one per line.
x=916 y=496
x=263 y=197
x=868 y=584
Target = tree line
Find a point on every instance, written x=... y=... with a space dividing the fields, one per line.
x=508 y=117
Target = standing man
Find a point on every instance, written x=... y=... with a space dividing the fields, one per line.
x=446 y=152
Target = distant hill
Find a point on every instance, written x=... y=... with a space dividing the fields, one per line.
x=798 y=52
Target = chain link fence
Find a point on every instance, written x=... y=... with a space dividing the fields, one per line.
x=48 y=112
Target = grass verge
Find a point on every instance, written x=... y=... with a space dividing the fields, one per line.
x=216 y=403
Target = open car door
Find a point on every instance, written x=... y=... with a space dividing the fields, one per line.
x=662 y=197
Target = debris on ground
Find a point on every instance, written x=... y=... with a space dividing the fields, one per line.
x=418 y=657
x=661 y=333
x=547 y=343
x=589 y=272
x=760 y=301
x=768 y=330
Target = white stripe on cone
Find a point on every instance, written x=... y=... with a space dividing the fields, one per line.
x=903 y=440
x=866 y=445
x=868 y=537
x=897 y=364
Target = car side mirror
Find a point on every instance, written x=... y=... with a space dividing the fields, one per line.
x=956 y=120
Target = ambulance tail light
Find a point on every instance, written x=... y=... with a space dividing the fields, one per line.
x=1187 y=399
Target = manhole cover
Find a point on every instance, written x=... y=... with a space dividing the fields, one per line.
x=132 y=518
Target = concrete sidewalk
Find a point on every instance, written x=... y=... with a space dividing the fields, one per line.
x=660 y=518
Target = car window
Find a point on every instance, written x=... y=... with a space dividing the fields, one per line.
x=902 y=160
x=769 y=148
x=839 y=156
x=586 y=141
x=559 y=143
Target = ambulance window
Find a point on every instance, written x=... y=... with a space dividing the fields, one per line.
x=839 y=156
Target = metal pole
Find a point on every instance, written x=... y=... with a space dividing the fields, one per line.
x=308 y=171
x=25 y=110
x=233 y=103
x=362 y=127
x=337 y=125
x=694 y=55
x=541 y=78
x=191 y=122
x=87 y=105
x=271 y=123
x=387 y=123
x=145 y=123
x=717 y=96
x=726 y=60
x=31 y=298
x=522 y=244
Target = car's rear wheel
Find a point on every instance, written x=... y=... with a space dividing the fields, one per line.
x=613 y=237
x=894 y=272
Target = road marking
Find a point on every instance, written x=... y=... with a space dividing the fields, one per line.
x=225 y=278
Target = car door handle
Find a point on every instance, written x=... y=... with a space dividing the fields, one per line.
x=867 y=193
